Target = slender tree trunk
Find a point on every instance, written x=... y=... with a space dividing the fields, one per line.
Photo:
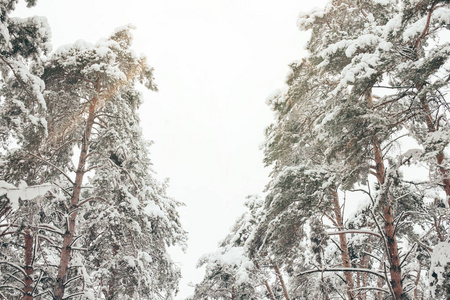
x=358 y=284
x=70 y=230
x=365 y=265
x=395 y=269
x=416 y=283
x=280 y=277
x=343 y=244
x=380 y=284
x=269 y=290
x=28 y=288
x=389 y=228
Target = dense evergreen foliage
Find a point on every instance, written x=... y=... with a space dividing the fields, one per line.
x=357 y=206
x=81 y=215
x=358 y=202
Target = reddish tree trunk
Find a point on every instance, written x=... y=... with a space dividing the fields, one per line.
x=395 y=269
x=70 y=231
x=380 y=285
x=389 y=228
x=28 y=288
x=280 y=277
x=269 y=290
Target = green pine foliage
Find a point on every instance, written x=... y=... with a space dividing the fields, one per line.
x=360 y=114
x=103 y=229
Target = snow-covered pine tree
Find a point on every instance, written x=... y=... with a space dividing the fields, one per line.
x=230 y=273
x=130 y=221
x=357 y=125
x=421 y=82
x=22 y=43
x=92 y=98
x=90 y=107
x=22 y=125
x=331 y=95
x=304 y=185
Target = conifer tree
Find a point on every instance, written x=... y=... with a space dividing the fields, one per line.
x=333 y=132
x=22 y=125
x=88 y=110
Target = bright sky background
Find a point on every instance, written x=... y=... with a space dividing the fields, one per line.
x=216 y=62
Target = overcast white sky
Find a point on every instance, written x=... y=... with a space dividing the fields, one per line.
x=216 y=62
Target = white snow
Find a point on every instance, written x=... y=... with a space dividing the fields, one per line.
x=384 y=2
x=23 y=191
x=440 y=258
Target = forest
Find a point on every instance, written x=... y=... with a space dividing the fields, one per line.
x=357 y=206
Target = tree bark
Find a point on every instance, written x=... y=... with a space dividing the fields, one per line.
x=70 y=230
x=380 y=284
x=395 y=269
x=389 y=228
x=280 y=277
x=269 y=290
x=28 y=288
x=343 y=244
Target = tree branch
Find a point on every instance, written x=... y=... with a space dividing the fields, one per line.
x=343 y=270
x=356 y=231
x=52 y=165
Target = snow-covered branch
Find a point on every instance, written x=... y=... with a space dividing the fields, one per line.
x=343 y=270
x=362 y=231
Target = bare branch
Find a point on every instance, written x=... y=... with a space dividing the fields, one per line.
x=16 y=278
x=91 y=199
x=72 y=279
x=387 y=281
x=43 y=293
x=343 y=270
x=371 y=288
x=74 y=295
x=356 y=231
x=52 y=165
x=11 y=287
x=14 y=266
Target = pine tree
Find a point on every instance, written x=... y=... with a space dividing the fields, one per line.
x=88 y=109
x=329 y=112
x=22 y=124
x=137 y=221
x=91 y=94
x=230 y=273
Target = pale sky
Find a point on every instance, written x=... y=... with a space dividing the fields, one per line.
x=216 y=62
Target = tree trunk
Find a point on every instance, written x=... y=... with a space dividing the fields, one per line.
x=380 y=284
x=28 y=288
x=280 y=277
x=389 y=228
x=269 y=290
x=70 y=231
x=365 y=265
x=343 y=244
x=395 y=270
